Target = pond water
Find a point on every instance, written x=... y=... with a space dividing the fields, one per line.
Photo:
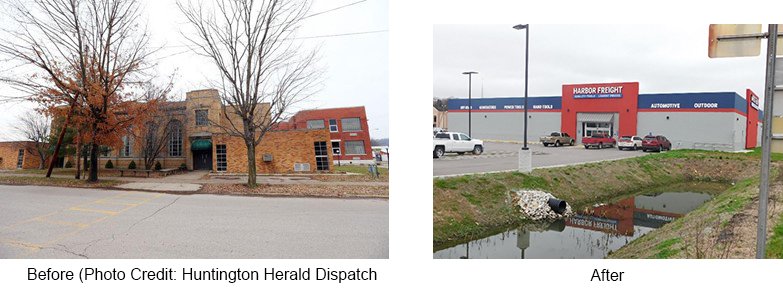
x=592 y=234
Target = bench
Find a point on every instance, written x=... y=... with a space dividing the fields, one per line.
x=164 y=172
x=122 y=172
x=167 y=172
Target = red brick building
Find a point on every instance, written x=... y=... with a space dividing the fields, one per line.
x=348 y=130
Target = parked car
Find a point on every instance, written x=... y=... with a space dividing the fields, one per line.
x=557 y=139
x=656 y=143
x=598 y=140
x=455 y=142
x=435 y=130
x=629 y=142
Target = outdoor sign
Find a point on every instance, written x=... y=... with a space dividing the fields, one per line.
x=702 y=101
x=598 y=92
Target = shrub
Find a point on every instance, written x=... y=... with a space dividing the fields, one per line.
x=183 y=167
x=68 y=164
x=132 y=165
x=157 y=166
x=109 y=165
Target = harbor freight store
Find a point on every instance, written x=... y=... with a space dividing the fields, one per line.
x=706 y=120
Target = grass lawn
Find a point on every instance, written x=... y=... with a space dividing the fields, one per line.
x=63 y=182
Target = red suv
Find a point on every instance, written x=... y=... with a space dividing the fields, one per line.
x=656 y=143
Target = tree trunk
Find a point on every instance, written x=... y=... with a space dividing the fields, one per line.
x=84 y=158
x=60 y=139
x=43 y=160
x=251 y=164
x=78 y=154
x=93 y=162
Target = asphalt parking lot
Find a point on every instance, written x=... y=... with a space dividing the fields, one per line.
x=505 y=157
x=55 y=222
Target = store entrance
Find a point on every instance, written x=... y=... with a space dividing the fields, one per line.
x=590 y=128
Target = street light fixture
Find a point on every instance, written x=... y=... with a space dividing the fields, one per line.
x=470 y=104
x=526 y=27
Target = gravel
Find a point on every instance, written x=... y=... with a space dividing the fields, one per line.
x=533 y=205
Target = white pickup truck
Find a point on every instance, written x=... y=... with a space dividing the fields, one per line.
x=455 y=142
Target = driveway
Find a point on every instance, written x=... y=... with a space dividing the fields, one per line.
x=55 y=222
x=505 y=156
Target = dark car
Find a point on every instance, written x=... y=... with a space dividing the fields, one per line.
x=656 y=143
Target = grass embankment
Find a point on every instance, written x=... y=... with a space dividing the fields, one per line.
x=56 y=181
x=470 y=207
x=724 y=227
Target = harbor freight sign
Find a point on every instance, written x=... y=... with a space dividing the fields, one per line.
x=598 y=92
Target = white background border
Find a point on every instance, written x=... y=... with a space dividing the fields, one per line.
x=411 y=266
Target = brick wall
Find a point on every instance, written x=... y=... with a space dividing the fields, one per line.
x=299 y=121
x=9 y=152
x=286 y=148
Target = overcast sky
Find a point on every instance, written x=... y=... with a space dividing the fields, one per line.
x=662 y=58
x=356 y=65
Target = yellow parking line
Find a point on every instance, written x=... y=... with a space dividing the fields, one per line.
x=94 y=211
x=64 y=223
x=25 y=245
x=79 y=226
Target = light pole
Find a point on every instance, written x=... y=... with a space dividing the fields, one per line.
x=470 y=104
x=526 y=27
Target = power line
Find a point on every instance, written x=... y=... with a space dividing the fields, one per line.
x=333 y=9
x=341 y=35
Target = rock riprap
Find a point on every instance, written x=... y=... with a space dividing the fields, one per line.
x=533 y=205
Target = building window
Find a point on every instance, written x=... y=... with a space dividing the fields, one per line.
x=354 y=147
x=351 y=124
x=333 y=125
x=105 y=151
x=222 y=163
x=20 y=159
x=321 y=156
x=315 y=124
x=127 y=146
x=202 y=117
x=336 y=148
x=175 y=139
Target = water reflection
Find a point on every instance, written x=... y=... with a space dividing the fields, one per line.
x=592 y=234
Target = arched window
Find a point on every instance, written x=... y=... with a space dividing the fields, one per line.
x=175 y=138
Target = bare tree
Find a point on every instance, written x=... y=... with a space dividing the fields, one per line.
x=263 y=71
x=159 y=126
x=36 y=128
x=85 y=53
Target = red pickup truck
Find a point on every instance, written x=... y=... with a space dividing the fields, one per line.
x=599 y=141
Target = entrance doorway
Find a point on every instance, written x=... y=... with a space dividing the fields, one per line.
x=590 y=128
x=202 y=160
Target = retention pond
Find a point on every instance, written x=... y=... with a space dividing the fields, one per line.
x=593 y=233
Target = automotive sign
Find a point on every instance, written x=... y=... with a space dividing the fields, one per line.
x=597 y=92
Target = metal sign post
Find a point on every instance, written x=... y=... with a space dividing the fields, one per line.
x=737 y=40
x=766 y=141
